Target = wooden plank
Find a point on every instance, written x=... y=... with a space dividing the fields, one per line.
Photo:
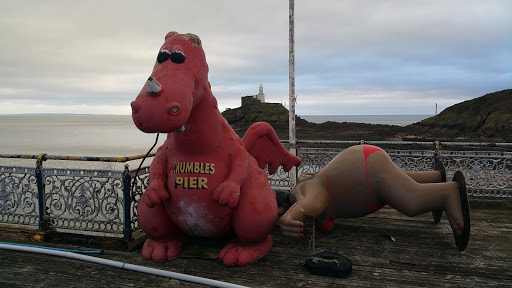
x=422 y=255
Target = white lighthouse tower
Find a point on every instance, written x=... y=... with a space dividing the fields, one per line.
x=261 y=95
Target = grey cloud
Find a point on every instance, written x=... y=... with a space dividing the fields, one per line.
x=94 y=51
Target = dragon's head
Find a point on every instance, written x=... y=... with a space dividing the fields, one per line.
x=176 y=85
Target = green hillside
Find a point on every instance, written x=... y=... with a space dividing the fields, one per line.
x=483 y=119
x=486 y=117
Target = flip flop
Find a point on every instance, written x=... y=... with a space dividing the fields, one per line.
x=462 y=240
x=330 y=264
x=437 y=214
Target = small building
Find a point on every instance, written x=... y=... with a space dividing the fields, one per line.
x=260 y=97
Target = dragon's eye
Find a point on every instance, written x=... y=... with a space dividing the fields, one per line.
x=163 y=55
x=177 y=56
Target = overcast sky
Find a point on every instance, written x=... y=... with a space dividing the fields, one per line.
x=352 y=56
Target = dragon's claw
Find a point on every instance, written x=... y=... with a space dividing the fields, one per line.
x=228 y=193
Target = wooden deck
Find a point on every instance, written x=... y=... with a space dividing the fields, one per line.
x=387 y=249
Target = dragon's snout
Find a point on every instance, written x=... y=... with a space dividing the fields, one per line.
x=156 y=110
x=173 y=108
x=135 y=106
x=154 y=87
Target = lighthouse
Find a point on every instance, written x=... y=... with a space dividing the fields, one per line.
x=261 y=95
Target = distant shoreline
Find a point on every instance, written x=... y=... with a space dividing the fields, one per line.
x=397 y=120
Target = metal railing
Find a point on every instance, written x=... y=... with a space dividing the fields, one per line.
x=488 y=173
x=81 y=200
x=105 y=201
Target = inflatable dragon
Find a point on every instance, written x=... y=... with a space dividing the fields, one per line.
x=204 y=180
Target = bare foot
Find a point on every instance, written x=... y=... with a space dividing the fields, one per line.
x=453 y=209
x=457 y=210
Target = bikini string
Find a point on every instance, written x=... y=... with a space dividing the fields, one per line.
x=330 y=191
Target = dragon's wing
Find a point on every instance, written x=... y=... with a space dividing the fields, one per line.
x=262 y=143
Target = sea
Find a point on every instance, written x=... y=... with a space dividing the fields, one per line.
x=115 y=135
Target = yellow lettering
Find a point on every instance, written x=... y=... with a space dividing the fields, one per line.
x=212 y=168
x=192 y=184
x=196 y=167
x=201 y=170
x=202 y=183
x=207 y=168
x=178 y=182
x=189 y=168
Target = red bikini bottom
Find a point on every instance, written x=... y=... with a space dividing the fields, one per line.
x=328 y=225
x=369 y=150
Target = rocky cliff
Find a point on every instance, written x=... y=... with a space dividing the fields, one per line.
x=277 y=116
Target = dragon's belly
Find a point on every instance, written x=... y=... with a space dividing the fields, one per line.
x=191 y=184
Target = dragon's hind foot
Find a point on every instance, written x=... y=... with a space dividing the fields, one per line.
x=238 y=253
x=161 y=250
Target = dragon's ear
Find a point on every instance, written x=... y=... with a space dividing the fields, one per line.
x=193 y=39
x=170 y=34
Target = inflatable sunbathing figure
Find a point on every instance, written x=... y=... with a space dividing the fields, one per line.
x=362 y=179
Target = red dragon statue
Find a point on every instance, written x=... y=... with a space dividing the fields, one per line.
x=204 y=180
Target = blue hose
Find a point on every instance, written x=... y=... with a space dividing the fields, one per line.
x=57 y=249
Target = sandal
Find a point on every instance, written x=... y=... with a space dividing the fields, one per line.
x=462 y=240
x=437 y=214
x=330 y=264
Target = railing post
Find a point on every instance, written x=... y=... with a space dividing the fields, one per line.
x=127 y=203
x=437 y=154
x=43 y=223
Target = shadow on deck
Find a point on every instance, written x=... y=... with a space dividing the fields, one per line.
x=387 y=249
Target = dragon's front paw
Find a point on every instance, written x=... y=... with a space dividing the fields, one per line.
x=156 y=194
x=228 y=193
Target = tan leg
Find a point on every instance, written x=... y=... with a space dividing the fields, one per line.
x=429 y=177
x=392 y=186
x=425 y=176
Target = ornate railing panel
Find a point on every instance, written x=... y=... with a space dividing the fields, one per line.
x=279 y=179
x=85 y=200
x=18 y=196
x=65 y=198
x=413 y=160
x=314 y=159
x=488 y=174
x=140 y=185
